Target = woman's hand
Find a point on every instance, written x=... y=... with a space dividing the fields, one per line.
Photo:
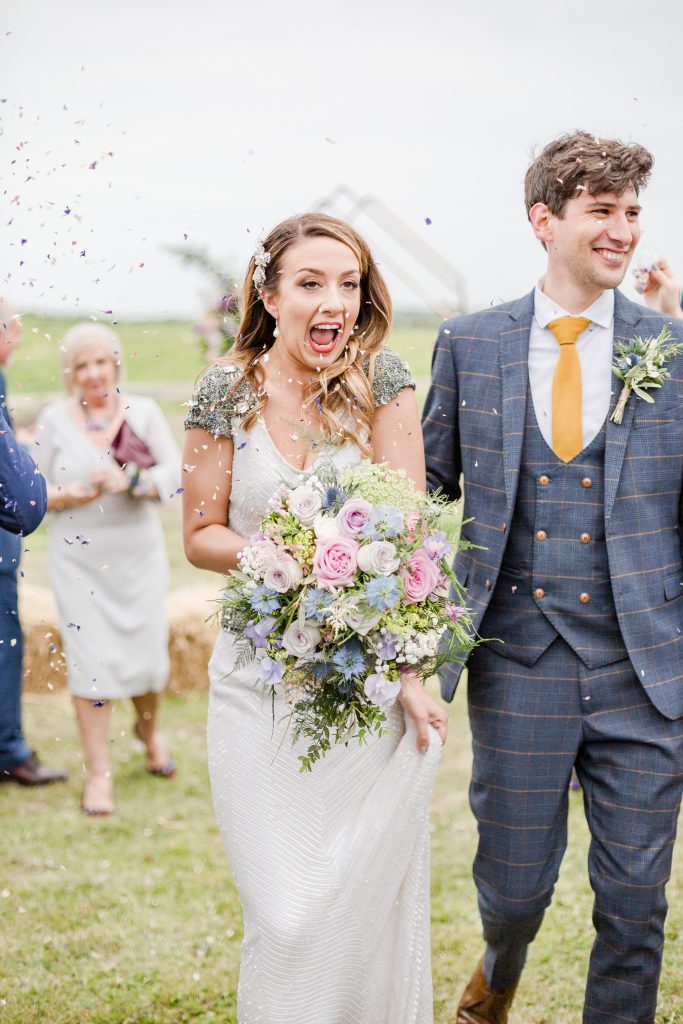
x=110 y=480
x=71 y=496
x=422 y=708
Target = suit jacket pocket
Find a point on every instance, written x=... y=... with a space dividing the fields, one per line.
x=673 y=585
x=650 y=416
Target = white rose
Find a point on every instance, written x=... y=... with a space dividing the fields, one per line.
x=300 y=640
x=378 y=558
x=325 y=526
x=361 y=619
x=305 y=503
x=284 y=575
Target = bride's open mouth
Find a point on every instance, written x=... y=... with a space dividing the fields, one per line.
x=323 y=337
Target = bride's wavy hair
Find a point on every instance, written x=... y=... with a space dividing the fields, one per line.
x=342 y=392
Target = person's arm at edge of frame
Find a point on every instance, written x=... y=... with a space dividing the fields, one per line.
x=23 y=494
x=440 y=428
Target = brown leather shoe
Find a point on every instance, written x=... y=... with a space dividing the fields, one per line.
x=480 y=1004
x=32 y=773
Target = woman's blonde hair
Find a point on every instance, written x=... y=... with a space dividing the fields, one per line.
x=80 y=335
x=342 y=392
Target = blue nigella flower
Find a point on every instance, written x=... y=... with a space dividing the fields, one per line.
x=387 y=522
x=317 y=604
x=349 y=660
x=264 y=600
x=382 y=592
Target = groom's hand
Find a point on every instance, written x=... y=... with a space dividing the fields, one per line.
x=422 y=708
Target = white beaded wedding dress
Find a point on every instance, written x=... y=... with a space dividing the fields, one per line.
x=332 y=865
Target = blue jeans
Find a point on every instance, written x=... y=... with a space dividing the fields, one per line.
x=13 y=747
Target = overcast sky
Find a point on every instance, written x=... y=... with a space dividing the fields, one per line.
x=128 y=126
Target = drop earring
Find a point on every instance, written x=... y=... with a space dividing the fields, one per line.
x=276 y=331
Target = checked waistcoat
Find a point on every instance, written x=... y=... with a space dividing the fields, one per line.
x=554 y=578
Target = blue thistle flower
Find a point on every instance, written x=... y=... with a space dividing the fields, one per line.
x=334 y=498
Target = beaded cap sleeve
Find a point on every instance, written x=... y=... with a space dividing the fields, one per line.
x=218 y=399
x=392 y=374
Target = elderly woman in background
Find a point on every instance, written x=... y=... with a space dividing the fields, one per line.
x=109 y=459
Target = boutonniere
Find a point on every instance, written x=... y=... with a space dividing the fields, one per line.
x=641 y=364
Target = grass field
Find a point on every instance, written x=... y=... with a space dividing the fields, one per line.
x=133 y=919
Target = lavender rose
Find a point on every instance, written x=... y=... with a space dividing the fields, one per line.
x=361 y=618
x=284 y=575
x=378 y=558
x=300 y=640
x=353 y=516
x=305 y=503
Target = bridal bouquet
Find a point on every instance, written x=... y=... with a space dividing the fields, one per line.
x=346 y=584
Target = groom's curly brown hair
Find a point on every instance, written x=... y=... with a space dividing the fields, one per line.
x=579 y=161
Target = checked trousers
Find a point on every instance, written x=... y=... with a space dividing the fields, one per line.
x=530 y=725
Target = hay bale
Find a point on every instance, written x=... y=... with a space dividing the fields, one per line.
x=190 y=642
x=44 y=665
x=190 y=637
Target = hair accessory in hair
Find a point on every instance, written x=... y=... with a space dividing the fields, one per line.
x=261 y=259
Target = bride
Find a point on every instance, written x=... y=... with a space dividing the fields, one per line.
x=332 y=866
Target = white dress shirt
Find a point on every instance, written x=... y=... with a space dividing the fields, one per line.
x=594 y=347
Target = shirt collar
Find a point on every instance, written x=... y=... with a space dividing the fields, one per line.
x=600 y=312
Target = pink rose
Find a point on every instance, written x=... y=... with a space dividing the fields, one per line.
x=334 y=562
x=420 y=577
x=353 y=516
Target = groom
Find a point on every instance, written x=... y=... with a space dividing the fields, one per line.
x=579 y=573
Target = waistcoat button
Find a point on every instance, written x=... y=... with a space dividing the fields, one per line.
x=585 y=538
x=539 y=592
x=584 y=598
x=544 y=480
x=586 y=482
x=488 y=584
x=541 y=535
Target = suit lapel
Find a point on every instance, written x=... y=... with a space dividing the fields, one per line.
x=626 y=316
x=514 y=370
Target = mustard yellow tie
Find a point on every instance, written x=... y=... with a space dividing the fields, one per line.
x=567 y=420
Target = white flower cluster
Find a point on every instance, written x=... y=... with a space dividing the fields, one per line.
x=420 y=646
x=250 y=561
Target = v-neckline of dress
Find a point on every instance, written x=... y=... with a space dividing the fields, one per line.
x=286 y=462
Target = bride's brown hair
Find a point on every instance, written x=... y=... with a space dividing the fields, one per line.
x=342 y=392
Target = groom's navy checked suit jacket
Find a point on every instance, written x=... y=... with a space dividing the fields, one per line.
x=474 y=423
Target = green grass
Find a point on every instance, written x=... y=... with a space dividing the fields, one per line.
x=134 y=919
